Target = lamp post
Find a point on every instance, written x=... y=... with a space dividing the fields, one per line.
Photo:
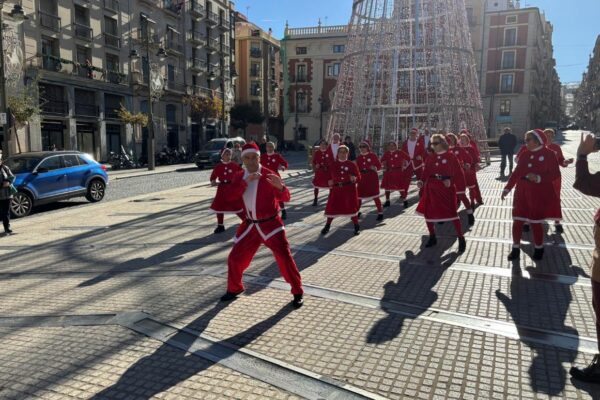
x=18 y=16
x=155 y=87
x=321 y=103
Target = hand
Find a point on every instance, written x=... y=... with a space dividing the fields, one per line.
x=275 y=181
x=569 y=161
x=281 y=168
x=213 y=183
x=532 y=177
x=504 y=194
x=447 y=182
x=374 y=168
x=353 y=179
x=587 y=144
x=467 y=166
x=253 y=177
x=330 y=183
x=420 y=184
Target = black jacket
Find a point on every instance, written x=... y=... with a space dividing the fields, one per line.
x=351 y=150
x=507 y=143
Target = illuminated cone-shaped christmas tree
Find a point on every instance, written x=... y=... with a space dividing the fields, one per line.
x=408 y=63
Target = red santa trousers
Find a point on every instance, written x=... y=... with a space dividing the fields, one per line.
x=244 y=250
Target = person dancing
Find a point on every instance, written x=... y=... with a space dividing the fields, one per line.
x=464 y=158
x=550 y=134
x=396 y=175
x=222 y=176
x=276 y=163
x=368 y=187
x=320 y=162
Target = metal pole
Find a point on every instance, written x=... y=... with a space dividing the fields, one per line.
x=5 y=142
x=151 y=145
x=321 y=123
x=223 y=96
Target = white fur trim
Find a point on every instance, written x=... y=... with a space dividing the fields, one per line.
x=248 y=151
x=535 y=221
x=226 y=212
x=369 y=198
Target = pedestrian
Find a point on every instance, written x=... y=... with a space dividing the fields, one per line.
x=334 y=146
x=564 y=163
x=236 y=155
x=507 y=144
x=263 y=145
x=222 y=177
x=416 y=151
x=589 y=185
x=465 y=160
x=441 y=175
x=396 y=173
x=6 y=194
x=471 y=169
x=276 y=163
x=535 y=199
x=425 y=138
x=343 y=193
x=261 y=191
x=368 y=187
x=321 y=162
x=351 y=148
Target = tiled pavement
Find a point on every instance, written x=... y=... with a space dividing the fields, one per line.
x=383 y=317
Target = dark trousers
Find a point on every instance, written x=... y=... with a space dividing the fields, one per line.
x=596 y=306
x=510 y=157
x=5 y=213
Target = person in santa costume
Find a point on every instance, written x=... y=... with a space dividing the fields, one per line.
x=465 y=160
x=471 y=166
x=320 y=162
x=343 y=194
x=334 y=146
x=535 y=198
x=276 y=163
x=441 y=175
x=416 y=151
x=222 y=176
x=261 y=190
x=425 y=139
x=564 y=163
x=368 y=187
x=396 y=173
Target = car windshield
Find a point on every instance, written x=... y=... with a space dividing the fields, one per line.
x=20 y=165
x=214 y=145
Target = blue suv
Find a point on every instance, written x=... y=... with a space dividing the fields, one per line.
x=47 y=177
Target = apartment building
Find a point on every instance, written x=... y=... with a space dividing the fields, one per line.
x=260 y=76
x=586 y=105
x=311 y=60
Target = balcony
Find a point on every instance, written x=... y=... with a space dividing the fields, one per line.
x=197 y=38
x=300 y=78
x=111 y=5
x=174 y=45
x=212 y=19
x=172 y=6
x=196 y=9
x=51 y=63
x=116 y=77
x=225 y=49
x=112 y=40
x=174 y=86
x=202 y=91
x=212 y=45
x=139 y=37
x=49 y=21
x=82 y=31
x=111 y=113
x=84 y=72
x=255 y=53
x=55 y=107
x=198 y=65
x=225 y=24
x=86 y=110
x=255 y=73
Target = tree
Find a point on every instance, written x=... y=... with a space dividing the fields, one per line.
x=203 y=108
x=244 y=114
x=24 y=107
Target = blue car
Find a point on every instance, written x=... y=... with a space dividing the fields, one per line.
x=47 y=177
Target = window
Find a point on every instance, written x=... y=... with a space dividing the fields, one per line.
x=301 y=73
x=301 y=105
x=255 y=88
x=255 y=70
x=506 y=83
x=508 y=59
x=333 y=70
x=84 y=59
x=111 y=33
x=112 y=104
x=510 y=37
x=511 y=19
x=171 y=73
x=51 y=163
x=70 y=160
x=505 y=108
x=301 y=50
x=339 y=48
x=49 y=54
x=171 y=114
x=470 y=16
x=144 y=106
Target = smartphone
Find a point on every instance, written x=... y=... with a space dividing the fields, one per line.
x=598 y=143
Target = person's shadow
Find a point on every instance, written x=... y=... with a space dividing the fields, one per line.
x=546 y=371
x=169 y=365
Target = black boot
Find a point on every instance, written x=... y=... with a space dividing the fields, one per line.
x=526 y=228
x=325 y=229
x=515 y=254
x=405 y=203
x=7 y=230
x=219 y=229
x=230 y=296
x=356 y=229
x=379 y=217
x=462 y=245
x=471 y=219
x=315 y=202
x=591 y=373
x=432 y=241
x=298 y=301
x=538 y=254
x=283 y=214
x=559 y=229
x=359 y=215
x=387 y=203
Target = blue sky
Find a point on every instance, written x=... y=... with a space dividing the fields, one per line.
x=576 y=24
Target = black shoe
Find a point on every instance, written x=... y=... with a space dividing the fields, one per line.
x=515 y=254
x=405 y=203
x=8 y=231
x=219 y=229
x=441 y=223
x=432 y=241
x=591 y=373
x=525 y=228
x=559 y=229
x=298 y=301
x=356 y=229
x=283 y=214
x=387 y=203
x=462 y=245
x=538 y=254
x=230 y=296
x=325 y=229
x=314 y=202
x=359 y=215
x=379 y=217
x=471 y=219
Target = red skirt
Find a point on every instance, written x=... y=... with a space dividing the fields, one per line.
x=471 y=178
x=536 y=202
x=438 y=203
x=368 y=187
x=396 y=179
x=321 y=179
x=221 y=206
x=342 y=201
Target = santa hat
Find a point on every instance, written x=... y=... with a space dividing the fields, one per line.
x=366 y=143
x=250 y=148
x=540 y=135
x=415 y=130
x=226 y=150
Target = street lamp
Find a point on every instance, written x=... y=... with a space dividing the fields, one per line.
x=17 y=16
x=155 y=87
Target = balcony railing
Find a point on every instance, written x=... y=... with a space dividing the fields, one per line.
x=212 y=44
x=49 y=21
x=196 y=9
x=202 y=91
x=115 y=77
x=255 y=73
x=83 y=31
x=85 y=72
x=51 y=63
x=172 y=6
x=55 y=107
x=197 y=37
x=173 y=44
x=111 y=5
x=212 y=18
x=175 y=86
x=112 y=40
x=224 y=49
x=198 y=64
x=225 y=24
x=86 y=110
x=110 y=112
x=255 y=53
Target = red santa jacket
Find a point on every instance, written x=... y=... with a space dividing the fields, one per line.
x=333 y=151
x=522 y=150
x=322 y=159
x=261 y=204
x=540 y=162
x=444 y=166
x=559 y=154
x=342 y=171
x=366 y=161
x=395 y=159
x=419 y=154
x=273 y=161
x=225 y=172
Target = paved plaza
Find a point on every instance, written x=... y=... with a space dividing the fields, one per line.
x=121 y=300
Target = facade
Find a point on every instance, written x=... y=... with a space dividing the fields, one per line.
x=90 y=56
x=587 y=97
x=260 y=77
x=519 y=84
x=311 y=65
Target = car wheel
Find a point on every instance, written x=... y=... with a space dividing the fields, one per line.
x=96 y=191
x=21 y=205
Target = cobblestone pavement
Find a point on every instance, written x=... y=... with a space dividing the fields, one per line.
x=122 y=302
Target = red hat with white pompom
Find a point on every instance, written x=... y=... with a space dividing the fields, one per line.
x=250 y=148
x=540 y=135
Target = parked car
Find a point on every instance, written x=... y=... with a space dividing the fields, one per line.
x=47 y=177
x=211 y=152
